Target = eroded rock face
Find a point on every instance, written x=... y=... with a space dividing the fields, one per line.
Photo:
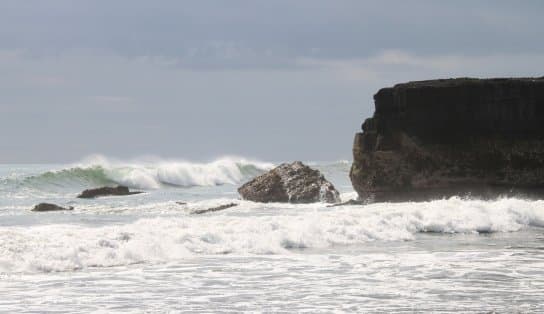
x=293 y=183
x=47 y=207
x=439 y=138
x=106 y=191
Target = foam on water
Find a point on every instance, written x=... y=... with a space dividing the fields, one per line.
x=148 y=252
x=253 y=229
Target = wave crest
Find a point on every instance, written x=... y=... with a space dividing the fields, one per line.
x=98 y=170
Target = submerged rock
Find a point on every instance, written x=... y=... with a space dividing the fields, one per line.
x=47 y=207
x=214 y=209
x=439 y=138
x=293 y=183
x=348 y=203
x=106 y=191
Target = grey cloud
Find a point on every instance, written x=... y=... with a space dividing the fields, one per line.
x=242 y=33
x=275 y=80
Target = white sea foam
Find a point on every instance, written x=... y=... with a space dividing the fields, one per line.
x=348 y=196
x=274 y=229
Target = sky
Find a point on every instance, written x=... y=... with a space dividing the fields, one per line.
x=270 y=80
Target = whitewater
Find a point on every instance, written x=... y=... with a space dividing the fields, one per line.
x=151 y=253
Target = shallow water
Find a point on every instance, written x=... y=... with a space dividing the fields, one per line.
x=145 y=253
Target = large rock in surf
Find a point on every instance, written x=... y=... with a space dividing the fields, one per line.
x=293 y=183
x=431 y=139
x=106 y=191
x=47 y=207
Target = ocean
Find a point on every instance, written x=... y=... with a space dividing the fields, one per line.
x=147 y=253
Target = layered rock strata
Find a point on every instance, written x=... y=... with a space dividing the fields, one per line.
x=438 y=138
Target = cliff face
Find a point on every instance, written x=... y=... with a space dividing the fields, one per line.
x=438 y=138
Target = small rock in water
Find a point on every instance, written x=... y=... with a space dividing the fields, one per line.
x=293 y=183
x=106 y=191
x=181 y=203
x=350 y=202
x=47 y=207
x=214 y=209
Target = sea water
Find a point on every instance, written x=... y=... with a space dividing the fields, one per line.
x=149 y=253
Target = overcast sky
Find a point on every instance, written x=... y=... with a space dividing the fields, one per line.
x=272 y=80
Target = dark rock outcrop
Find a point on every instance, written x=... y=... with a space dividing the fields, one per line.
x=293 y=183
x=47 y=207
x=106 y=191
x=431 y=139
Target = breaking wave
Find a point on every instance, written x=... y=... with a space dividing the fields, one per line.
x=152 y=174
x=61 y=247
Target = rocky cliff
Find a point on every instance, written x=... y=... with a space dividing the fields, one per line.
x=431 y=139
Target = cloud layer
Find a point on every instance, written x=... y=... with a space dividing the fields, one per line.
x=196 y=79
